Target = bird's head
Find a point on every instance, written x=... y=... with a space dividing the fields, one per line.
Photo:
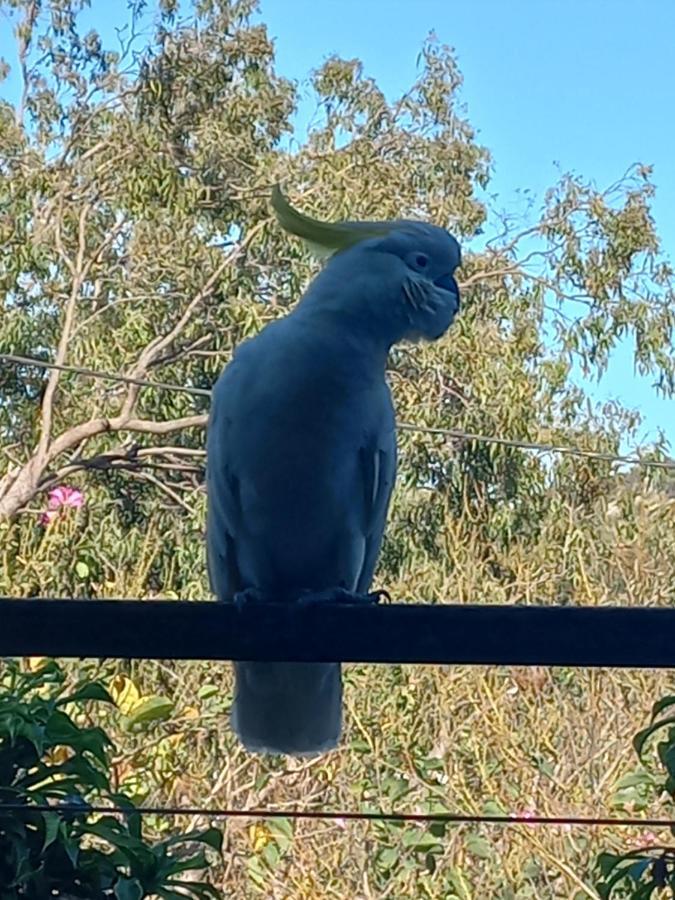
x=397 y=277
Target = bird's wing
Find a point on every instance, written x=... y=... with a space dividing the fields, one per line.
x=224 y=514
x=378 y=471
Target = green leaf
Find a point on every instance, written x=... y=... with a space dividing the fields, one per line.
x=129 y=889
x=203 y=891
x=169 y=894
x=645 y=891
x=200 y=890
x=387 y=857
x=151 y=710
x=438 y=829
x=112 y=831
x=88 y=776
x=173 y=866
x=637 y=870
x=419 y=840
x=271 y=854
x=211 y=836
x=642 y=736
x=52 y=827
x=460 y=884
x=666 y=753
x=282 y=830
x=81 y=569
x=132 y=818
x=531 y=868
x=207 y=690
x=617 y=871
x=606 y=863
x=478 y=846
x=72 y=849
x=256 y=871
x=662 y=704
x=493 y=808
x=634 y=779
x=92 y=690
x=60 y=729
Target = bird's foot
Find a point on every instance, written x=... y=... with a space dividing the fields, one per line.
x=342 y=595
x=250 y=596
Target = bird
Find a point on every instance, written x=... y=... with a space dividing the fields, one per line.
x=301 y=452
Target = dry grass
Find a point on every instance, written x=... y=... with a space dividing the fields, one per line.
x=417 y=739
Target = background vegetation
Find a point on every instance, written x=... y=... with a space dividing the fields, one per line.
x=136 y=238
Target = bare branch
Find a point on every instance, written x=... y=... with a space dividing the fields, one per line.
x=181 y=352
x=87 y=430
x=17 y=487
x=153 y=350
x=126 y=457
x=172 y=451
x=149 y=426
x=164 y=487
x=77 y=271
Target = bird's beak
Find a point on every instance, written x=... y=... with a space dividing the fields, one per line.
x=448 y=283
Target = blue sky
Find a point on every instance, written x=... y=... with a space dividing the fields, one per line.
x=587 y=83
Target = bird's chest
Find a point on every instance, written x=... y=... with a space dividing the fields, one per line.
x=316 y=430
x=328 y=409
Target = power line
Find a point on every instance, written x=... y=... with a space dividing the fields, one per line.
x=65 y=809
x=103 y=376
x=455 y=433
x=540 y=447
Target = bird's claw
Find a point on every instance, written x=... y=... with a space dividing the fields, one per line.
x=249 y=596
x=343 y=596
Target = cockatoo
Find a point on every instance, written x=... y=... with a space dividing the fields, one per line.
x=301 y=452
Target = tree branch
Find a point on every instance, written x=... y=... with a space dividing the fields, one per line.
x=130 y=457
x=19 y=486
x=165 y=488
x=153 y=350
x=78 y=274
x=94 y=427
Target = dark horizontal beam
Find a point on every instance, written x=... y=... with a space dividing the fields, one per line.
x=410 y=633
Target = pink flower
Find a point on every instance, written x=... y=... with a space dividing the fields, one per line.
x=646 y=839
x=59 y=499
x=65 y=496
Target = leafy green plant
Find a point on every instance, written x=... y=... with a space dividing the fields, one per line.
x=49 y=756
x=643 y=872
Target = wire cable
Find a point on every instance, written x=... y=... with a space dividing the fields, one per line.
x=103 y=376
x=346 y=815
x=454 y=433
x=541 y=447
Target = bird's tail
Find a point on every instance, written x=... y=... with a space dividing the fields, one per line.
x=293 y=708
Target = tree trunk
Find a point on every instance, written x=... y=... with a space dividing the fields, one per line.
x=20 y=486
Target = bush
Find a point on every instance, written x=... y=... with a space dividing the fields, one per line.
x=643 y=872
x=49 y=758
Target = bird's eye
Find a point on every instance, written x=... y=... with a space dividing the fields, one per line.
x=420 y=260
